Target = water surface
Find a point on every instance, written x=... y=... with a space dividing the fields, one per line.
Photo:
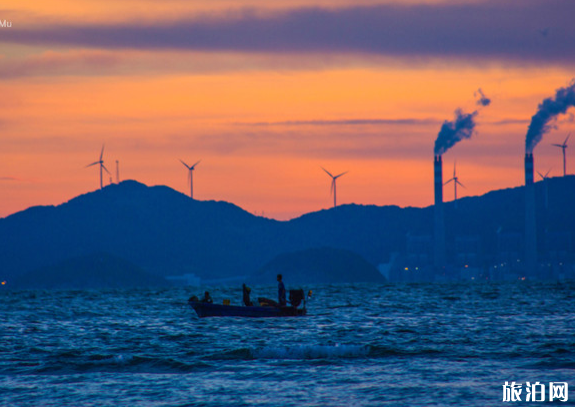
x=361 y=345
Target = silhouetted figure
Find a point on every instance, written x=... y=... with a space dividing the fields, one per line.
x=207 y=298
x=193 y=298
x=246 y=291
x=296 y=297
x=281 y=292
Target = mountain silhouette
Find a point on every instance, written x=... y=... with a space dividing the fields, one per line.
x=165 y=233
x=319 y=266
x=98 y=270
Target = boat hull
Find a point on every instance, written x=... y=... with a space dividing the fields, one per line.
x=216 y=310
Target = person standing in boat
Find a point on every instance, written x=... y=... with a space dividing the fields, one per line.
x=281 y=292
x=207 y=298
x=246 y=291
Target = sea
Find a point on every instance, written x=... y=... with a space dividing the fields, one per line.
x=456 y=344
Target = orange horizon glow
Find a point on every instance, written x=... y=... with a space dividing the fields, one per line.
x=262 y=124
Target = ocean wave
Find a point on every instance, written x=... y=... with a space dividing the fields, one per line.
x=124 y=363
x=314 y=352
x=551 y=363
x=383 y=351
x=233 y=354
x=305 y=352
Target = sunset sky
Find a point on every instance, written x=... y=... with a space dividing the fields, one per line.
x=265 y=93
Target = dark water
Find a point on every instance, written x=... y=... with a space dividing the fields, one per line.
x=413 y=345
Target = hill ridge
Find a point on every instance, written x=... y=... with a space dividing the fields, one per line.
x=166 y=233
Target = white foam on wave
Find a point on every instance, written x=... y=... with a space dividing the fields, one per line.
x=311 y=352
x=121 y=359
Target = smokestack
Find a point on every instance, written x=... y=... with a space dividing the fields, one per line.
x=528 y=169
x=439 y=221
x=451 y=133
x=530 y=221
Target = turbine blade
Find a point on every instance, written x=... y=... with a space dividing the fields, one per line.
x=328 y=173
x=186 y=165
x=541 y=175
x=459 y=183
x=104 y=167
x=454 y=164
x=194 y=166
x=343 y=173
x=565 y=142
x=547 y=173
x=102 y=153
x=447 y=182
x=94 y=163
x=332 y=186
x=557 y=145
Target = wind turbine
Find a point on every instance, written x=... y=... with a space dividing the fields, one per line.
x=101 y=162
x=563 y=147
x=544 y=177
x=455 y=183
x=545 y=187
x=333 y=184
x=191 y=176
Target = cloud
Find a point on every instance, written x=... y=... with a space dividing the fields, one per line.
x=476 y=32
x=312 y=142
x=50 y=63
x=349 y=122
x=89 y=62
x=507 y=122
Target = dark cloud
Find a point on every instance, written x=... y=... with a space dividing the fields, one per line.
x=476 y=32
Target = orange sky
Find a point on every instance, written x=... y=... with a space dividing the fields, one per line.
x=261 y=123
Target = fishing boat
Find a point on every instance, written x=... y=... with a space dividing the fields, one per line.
x=266 y=309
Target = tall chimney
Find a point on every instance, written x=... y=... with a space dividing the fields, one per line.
x=439 y=221
x=530 y=222
x=528 y=169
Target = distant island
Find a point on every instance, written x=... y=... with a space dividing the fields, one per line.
x=99 y=270
x=165 y=235
x=319 y=266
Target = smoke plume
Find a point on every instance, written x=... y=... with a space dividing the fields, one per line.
x=461 y=128
x=548 y=110
x=453 y=132
x=483 y=100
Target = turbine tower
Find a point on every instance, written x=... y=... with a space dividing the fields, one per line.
x=545 y=188
x=101 y=162
x=563 y=147
x=333 y=184
x=191 y=176
x=455 y=183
